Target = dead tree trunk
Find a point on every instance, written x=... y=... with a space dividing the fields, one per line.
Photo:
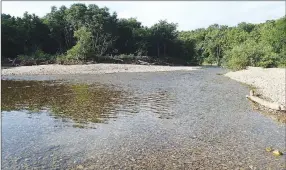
x=265 y=103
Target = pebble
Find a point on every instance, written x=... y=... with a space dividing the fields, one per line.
x=269 y=149
x=80 y=167
x=277 y=153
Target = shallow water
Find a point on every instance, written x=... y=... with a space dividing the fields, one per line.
x=166 y=120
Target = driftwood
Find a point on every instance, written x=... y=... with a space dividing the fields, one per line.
x=117 y=60
x=265 y=103
x=14 y=62
x=143 y=62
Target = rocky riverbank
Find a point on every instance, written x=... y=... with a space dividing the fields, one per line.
x=270 y=82
x=89 y=69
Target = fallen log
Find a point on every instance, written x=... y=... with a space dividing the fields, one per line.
x=143 y=62
x=14 y=62
x=117 y=60
x=265 y=103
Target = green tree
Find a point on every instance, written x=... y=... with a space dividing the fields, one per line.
x=162 y=33
x=83 y=47
x=61 y=30
x=87 y=32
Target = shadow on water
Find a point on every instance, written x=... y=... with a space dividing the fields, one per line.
x=79 y=102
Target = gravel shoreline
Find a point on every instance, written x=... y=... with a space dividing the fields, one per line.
x=89 y=69
x=270 y=82
x=170 y=120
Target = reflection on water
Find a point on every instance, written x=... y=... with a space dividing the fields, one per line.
x=39 y=115
x=81 y=103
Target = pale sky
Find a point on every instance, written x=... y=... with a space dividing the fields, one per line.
x=188 y=14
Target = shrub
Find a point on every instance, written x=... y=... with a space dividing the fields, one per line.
x=251 y=53
x=269 y=61
x=83 y=49
x=40 y=55
x=238 y=63
x=282 y=58
x=236 y=59
x=37 y=55
x=22 y=57
x=67 y=60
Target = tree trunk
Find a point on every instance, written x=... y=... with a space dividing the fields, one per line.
x=158 y=50
x=164 y=50
x=218 y=56
x=61 y=48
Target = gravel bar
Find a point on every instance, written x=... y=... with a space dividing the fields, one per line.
x=89 y=69
x=270 y=82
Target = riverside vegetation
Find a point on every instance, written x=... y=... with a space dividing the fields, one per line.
x=88 y=33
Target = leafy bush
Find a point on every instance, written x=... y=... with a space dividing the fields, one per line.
x=269 y=61
x=74 y=53
x=282 y=58
x=82 y=49
x=67 y=60
x=23 y=57
x=38 y=55
x=238 y=63
x=237 y=58
x=251 y=53
x=209 y=60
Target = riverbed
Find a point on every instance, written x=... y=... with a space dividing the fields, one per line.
x=196 y=119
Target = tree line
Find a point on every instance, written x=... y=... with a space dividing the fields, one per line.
x=91 y=33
